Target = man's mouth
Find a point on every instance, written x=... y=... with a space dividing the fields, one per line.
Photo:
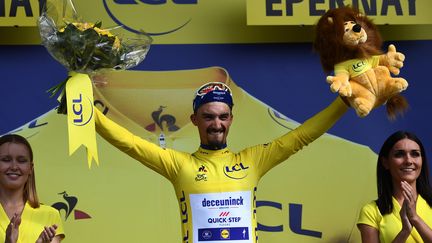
x=215 y=132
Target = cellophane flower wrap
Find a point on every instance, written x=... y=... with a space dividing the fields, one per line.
x=87 y=47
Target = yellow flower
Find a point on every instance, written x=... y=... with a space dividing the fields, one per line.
x=101 y=32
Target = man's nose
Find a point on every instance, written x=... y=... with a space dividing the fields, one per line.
x=217 y=123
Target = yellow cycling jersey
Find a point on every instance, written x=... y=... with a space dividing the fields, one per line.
x=355 y=67
x=216 y=188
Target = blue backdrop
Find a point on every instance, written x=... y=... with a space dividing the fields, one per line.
x=288 y=77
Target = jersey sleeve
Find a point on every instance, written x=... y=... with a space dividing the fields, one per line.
x=270 y=154
x=369 y=215
x=162 y=161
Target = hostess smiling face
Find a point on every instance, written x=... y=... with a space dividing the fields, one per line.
x=404 y=161
x=16 y=165
x=401 y=158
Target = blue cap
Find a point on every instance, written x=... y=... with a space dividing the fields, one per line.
x=211 y=92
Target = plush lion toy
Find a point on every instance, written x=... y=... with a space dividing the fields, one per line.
x=350 y=45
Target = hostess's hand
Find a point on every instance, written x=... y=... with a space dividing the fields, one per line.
x=12 y=230
x=47 y=234
x=340 y=83
x=393 y=60
x=406 y=224
x=410 y=199
x=403 y=235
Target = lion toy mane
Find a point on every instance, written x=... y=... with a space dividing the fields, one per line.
x=349 y=44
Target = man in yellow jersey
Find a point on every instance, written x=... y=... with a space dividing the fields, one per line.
x=216 y=188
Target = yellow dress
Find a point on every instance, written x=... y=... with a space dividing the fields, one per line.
x=32 y=224
x=390 y=225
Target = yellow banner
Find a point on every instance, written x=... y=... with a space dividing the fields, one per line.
x=224 y=21
x=81 y=127
x=19 y=13
x=302 y=12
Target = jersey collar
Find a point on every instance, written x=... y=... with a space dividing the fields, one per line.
x=208 y=147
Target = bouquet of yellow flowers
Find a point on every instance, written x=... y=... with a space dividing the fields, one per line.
x=85 y=47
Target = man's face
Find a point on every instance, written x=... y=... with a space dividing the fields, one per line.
x=213 y=120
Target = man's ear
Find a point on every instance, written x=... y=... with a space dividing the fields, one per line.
x=193 y=119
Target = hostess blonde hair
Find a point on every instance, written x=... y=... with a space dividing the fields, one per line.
x=29 y=194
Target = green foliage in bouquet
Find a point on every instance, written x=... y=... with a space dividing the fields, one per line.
x=86 y=47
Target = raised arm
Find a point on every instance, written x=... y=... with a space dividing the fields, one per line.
x=160 y=160
x=293 y=141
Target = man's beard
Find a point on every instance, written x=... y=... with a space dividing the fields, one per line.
x=216 y=144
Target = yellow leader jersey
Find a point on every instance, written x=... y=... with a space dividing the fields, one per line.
x=216 y=188
x=32 y=224
x=389 y=225
x=355 y=67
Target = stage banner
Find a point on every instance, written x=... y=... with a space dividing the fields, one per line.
x=314 y=196
x=227 y=21
x=301 y=12
x=19 y=13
